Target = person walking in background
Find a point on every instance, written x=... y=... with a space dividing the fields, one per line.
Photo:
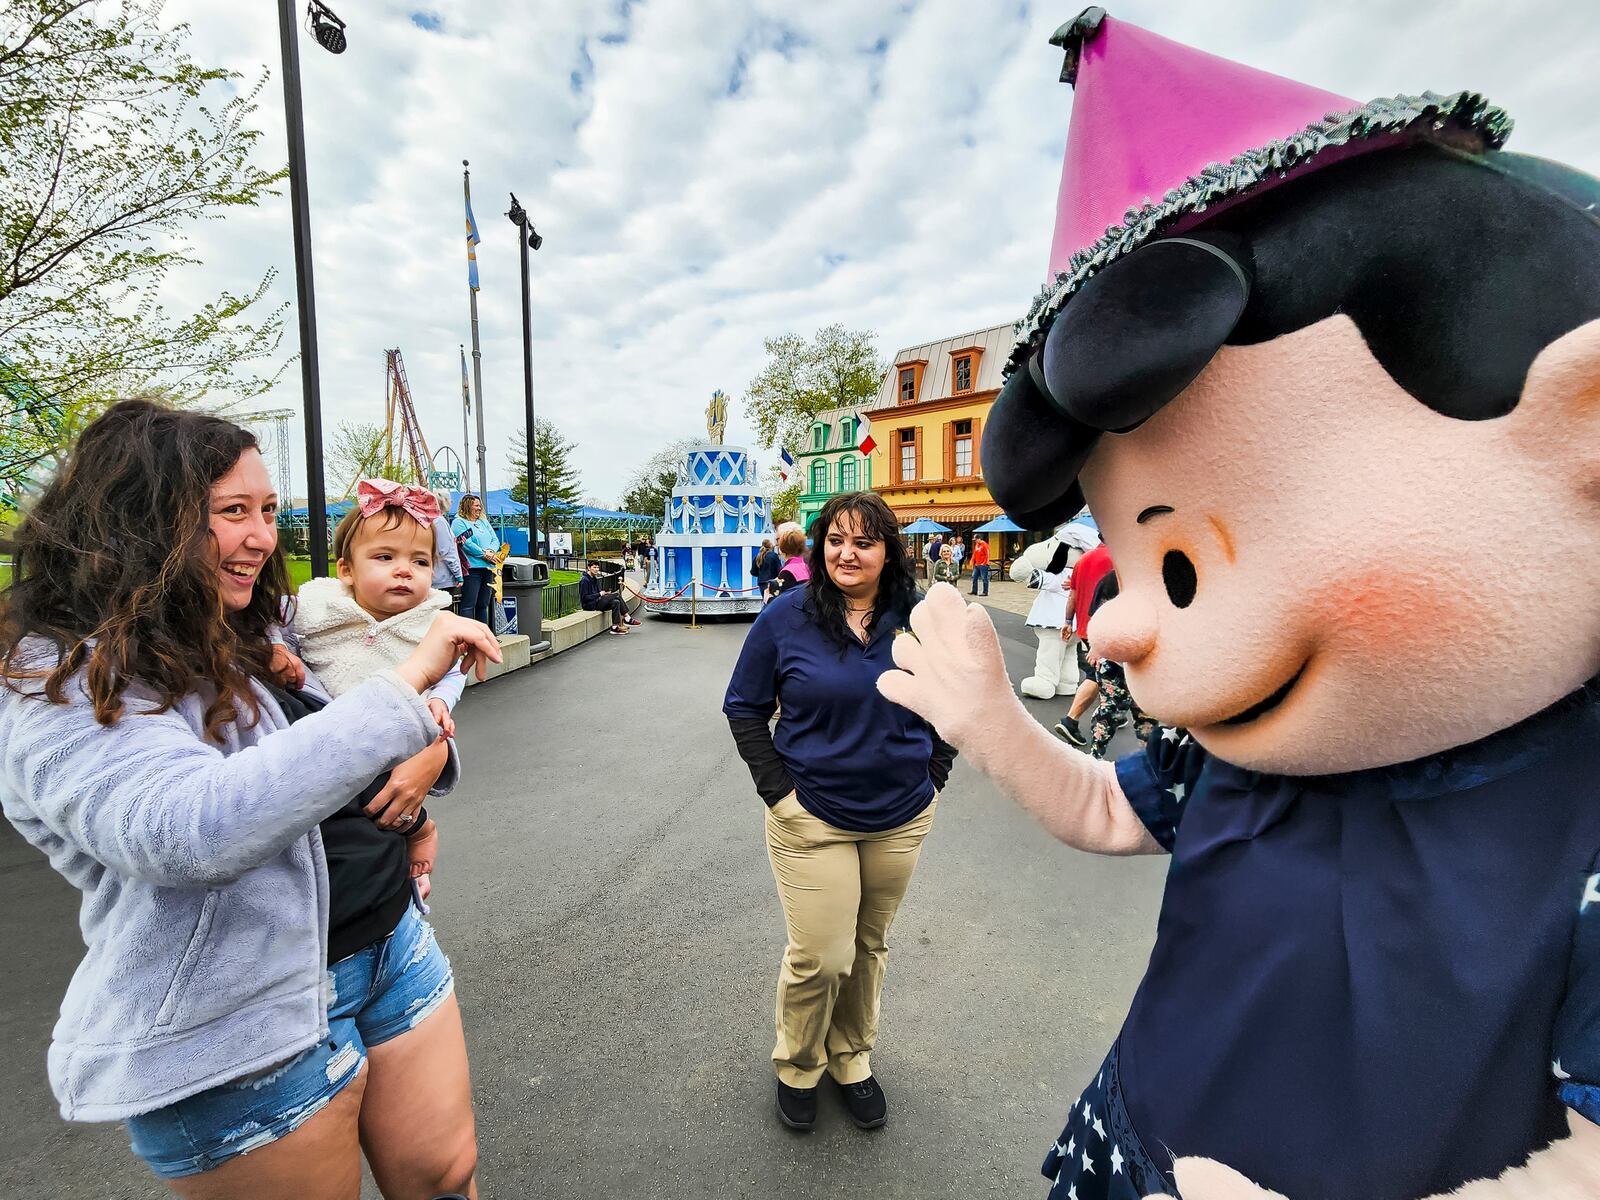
x=1086 y=575
x=1116 y=707
x=768 y=564
x=258 y=1002
x=480 y=547
x=945 y=570
x=935 y=544
x=448 y=573
x=980 y=565
x=851 y=783
x=593 y=597
x=795 y=570
x=958 y=551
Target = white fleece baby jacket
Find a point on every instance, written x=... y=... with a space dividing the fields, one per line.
x=345 y=645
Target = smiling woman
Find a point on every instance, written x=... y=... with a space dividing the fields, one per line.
x=214 y=1010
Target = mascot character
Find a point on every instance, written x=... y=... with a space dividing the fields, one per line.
x=1046 y=565
x=1333 y=397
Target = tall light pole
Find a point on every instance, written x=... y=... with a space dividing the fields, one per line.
x=528 y=238
x=477 y=352
x=329 y=32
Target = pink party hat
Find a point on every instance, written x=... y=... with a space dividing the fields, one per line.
x=1163 y=136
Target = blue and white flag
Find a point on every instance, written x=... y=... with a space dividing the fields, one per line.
x=472 y=253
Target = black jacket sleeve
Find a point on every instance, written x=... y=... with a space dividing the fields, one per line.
x=588 y=590
x=753 y=737
x=940 y=762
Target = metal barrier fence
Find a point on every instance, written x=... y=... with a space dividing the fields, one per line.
x=561 y=599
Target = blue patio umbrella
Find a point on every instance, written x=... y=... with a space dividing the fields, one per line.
x=1001 y=524
x=925 y=525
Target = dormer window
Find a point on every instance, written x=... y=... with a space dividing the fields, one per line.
x=908 y=385
x=964 y=369
x=819 y=436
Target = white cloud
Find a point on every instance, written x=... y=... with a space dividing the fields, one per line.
x=709 y=173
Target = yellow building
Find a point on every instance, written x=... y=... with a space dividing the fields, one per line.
x=928 y=426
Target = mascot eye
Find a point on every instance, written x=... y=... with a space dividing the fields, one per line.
x=1177 y=572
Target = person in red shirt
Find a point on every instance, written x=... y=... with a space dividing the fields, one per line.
x=980 y=564
x=1086 y=576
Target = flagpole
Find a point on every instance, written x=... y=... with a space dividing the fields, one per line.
x=477 y=362
x=466 y=435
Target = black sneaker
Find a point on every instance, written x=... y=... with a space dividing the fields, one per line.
x=869 y=1107
x=797 y=1107
x=1068 y=728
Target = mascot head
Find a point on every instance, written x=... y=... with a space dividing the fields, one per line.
x=1334 y=400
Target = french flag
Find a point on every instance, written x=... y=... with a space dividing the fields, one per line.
x=865 y=444
x=788 y=461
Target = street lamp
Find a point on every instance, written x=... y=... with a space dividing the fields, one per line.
x=329 y=32
x=528 y=238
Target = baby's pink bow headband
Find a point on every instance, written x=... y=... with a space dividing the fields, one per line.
x=374 y=495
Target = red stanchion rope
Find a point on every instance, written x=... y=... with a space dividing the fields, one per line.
x=681 y=591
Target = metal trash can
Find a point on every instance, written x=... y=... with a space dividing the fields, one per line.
x=522 y=583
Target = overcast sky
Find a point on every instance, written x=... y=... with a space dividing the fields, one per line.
x=710 y=173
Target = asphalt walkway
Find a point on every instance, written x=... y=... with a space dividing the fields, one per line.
x=604 y=895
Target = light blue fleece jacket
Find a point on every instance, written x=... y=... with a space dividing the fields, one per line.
x=205 y=889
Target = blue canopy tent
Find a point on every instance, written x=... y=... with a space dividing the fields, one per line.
x=925 y=525
x=1001 y=524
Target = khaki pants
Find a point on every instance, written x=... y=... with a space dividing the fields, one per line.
x=840 y=891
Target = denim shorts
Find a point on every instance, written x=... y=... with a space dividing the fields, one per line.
x=375 y=995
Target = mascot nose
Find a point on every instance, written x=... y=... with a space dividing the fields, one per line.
x=1125 y=629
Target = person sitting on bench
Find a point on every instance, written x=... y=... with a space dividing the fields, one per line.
x=594 y=598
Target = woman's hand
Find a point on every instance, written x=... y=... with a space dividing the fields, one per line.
x=450 y=639
x=407 y=789
x=286 y=668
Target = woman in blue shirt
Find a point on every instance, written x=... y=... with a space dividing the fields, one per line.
x=850 y=782
x=480 y=547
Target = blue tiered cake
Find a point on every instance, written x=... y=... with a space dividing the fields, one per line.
x=715 y=520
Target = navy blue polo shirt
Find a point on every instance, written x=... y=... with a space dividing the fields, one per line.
x=858 y=762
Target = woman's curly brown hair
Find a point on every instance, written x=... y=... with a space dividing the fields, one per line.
x=115 y=567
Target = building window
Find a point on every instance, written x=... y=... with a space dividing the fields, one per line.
x=964 y=448
x=848 y=428
x=819 y=436
x=819 y=477
x=908 y=455
x=847 y=474
x=963 y=374
x=908 y=385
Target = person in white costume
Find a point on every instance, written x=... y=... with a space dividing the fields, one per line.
x=1047 y=565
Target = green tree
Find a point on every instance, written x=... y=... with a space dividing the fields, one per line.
x=650 y=485
x=355 y=451
x=785 y=496
x=559 y=485
x=112 y=144
x=837 y=367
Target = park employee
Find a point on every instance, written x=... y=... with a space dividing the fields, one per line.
x=850 y=782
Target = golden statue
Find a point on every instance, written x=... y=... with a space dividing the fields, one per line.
x=717 y=417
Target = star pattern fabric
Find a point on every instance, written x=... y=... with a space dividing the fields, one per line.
x=1098 y=1156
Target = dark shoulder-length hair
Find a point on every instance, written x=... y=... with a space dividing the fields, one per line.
x=897 y=586
x=114 y=566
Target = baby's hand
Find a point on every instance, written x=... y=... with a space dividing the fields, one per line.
x=421 y=847
x=441 y=714
x=286 y=668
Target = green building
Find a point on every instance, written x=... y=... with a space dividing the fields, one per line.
x=829 y=462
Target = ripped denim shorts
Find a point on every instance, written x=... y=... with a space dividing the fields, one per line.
x=377 y=994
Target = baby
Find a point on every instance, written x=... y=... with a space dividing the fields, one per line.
x=373 y=615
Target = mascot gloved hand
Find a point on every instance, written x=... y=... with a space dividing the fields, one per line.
x=1046 y=566
x=1328 y=377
